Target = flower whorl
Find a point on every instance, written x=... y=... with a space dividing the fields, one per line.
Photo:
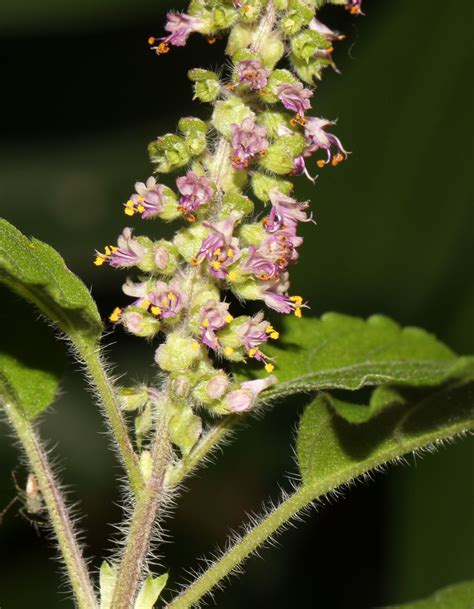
x=265 y=136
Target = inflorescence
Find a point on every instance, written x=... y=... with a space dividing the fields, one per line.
x=258 y=137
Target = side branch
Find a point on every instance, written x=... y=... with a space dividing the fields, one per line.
x=58 y=513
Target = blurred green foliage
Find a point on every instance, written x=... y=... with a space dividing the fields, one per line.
x=83 y=96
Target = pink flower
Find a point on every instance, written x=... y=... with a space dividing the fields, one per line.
x=180 y=26
x=317 y=139
x=244 y=398
x=319 y=27
x=196 y=191
x=213 y=316
x=128 y=252
x=167 y=299
x=149 y=200
x=247 y=140
x=285 y=212
x=295 y=97
x=220 y=248
x=252 y=73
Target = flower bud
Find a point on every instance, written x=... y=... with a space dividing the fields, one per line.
x=194 y=131
x=133 y=398
x=245 y=397
x=164 y=257
x=305 y=44
x=240 y=37
x=299 y=14
x=239 y=203
x=262 y=184
x=281 y=155
x=140 y=323
x=180 y=386
x=211 y=388
x=185 y=429
x=207 y=86
x=169 y=152
x=230 y=112
x=188 y=241
x=178 y=353
x=224 y=16
x=273 y=49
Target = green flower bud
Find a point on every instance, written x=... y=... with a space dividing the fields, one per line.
x=229 y=112
x=275 y=80
x=133 y=398
x=253 y=234
x=139 y=322
x=281 y=5
x=224 y=16
x=194 y=131
x=143 y=423
x=249 y=290
x=281 y=155
x=274 y=121
x=251 y=11
x=273 y=49
x=311 y=70
x=188 y=241
x=305 y=44
x=299 y=14
x=211 y=389
x=178 y=353
x=165 y=257
x=169 y=152
x=235 y=202
x=240 y=37
x=262 y=184
x=180 y=386
x=185 y=429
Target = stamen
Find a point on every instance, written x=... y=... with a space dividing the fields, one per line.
x=155 y=310
x=228 y=351
x=252 y=352
x=162 y=48
x=205 y=323
x=228 y=319
x=129 y=208
x=145 y=304
x=269 y=368
x=232 y=276
x=114 y=317
x=211 y=39
x=321 y=163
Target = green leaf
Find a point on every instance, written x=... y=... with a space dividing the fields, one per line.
x=151 y=590
x=37 y=272
x=341 y=352
x=333 y=451
x=31 y=361
x=107 y=579
x=459 y=596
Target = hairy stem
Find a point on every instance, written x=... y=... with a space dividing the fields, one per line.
x=267 y=527
x=109 y=400
x=38 y=461
x=143 y=521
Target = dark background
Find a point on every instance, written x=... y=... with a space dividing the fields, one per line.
x=81 y=97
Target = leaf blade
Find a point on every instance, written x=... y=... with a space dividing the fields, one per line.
x=458 y=596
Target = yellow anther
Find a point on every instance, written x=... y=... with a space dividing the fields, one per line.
x=115 y=315
x=216 y=265
x=269 y=329
x=151 y=40
x=297 y=300
x=228 y=351
x=171 y=296
x=141 y=199
x=195 y=346
x=232 y=276
x=269 y=367
x=228 y=319
x=113 y=249
x=140 y=209
x=205 y=323
x=217 y=252
x=99 y=261
x=275 y=335
x=298 y=313
x=108 y=251
x=155 y=310
x=252 y=352
x=320 y=163
x=230 y=252
x=164 y=302
x=162 y=48
x=129 y=209
x=145 y=304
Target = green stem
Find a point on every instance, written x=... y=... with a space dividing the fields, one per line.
x=58 y=513
x=143 y=521
x=242 y=550
x=105 y=390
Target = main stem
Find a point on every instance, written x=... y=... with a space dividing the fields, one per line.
x=38 y=461
x=143 y=521
x=118 y=427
